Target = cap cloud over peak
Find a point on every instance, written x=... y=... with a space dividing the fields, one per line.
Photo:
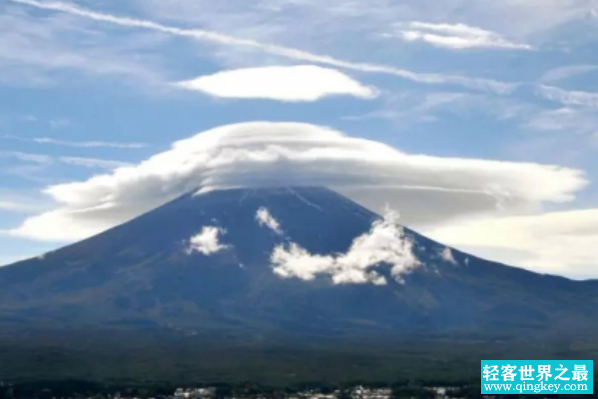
x=261 y=154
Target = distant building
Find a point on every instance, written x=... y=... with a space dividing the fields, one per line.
x=194 y=393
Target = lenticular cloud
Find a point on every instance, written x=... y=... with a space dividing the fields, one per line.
x=284 y=83
x=429 y=190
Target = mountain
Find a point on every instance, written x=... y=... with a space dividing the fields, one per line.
x=135 y=303
x=142 y=274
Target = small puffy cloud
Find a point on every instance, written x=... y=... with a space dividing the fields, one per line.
x=284 y=83
x=429 y=190
x=264 y=218
x=207 y=242
x=385 y=243
x=447 y=256
x=454 y=36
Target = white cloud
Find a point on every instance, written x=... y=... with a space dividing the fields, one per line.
x=579 y=98
x=566 y=119
x=284 y=83
x=10 y=206
x=447 y=256
x=565 y=72
x=81 y=144
x=385 y=243
x=311 y=22
x=455 y=36
x=44 y=159
x=405 y=108
x=264 y=218
x=89 y=144
x=35 y=51
x=556 y=119
x=94 y=162
x=429 y=190
x=207 y=241
x=557 y=243
x=27 y=157
x=282 y=51
x=21 y=205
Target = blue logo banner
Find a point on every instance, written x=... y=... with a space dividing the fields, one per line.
x=537 y=377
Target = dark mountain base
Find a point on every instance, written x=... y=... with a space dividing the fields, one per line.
x=120 y=357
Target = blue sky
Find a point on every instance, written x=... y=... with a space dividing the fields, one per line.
x=88 y=87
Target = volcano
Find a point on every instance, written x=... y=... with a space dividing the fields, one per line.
x=144 y=272
x=151 y=275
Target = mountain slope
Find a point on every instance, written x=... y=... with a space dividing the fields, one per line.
x=141 y=274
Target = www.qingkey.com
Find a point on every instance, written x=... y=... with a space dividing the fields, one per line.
x=537 y=387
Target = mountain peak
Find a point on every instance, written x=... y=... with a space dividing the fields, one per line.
x=280 y=259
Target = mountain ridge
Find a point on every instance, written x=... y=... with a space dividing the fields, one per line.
x=141 y=273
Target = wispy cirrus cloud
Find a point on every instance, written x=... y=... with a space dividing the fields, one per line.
x=569 y=134
x=282 y=51
x=27 y=157
x=566 y=119
x=407 y=107
x=43 y=159
x=484 y=38
x=308 y=19
x=81 y=144
x=12 y=206
x=22 y=201
x=417 y=107
x=93 y=162
x=561 y=73
x=454 y=36
x=36 y=51
x=575 y=97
